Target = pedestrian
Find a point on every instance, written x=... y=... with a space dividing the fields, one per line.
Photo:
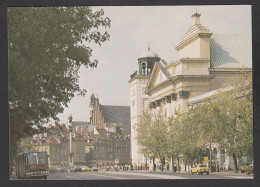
x=217 y=166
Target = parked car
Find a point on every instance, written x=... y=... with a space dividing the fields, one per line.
x=242 y=169
x=73 y=168
x=94 y=169
x=200 y=169
x=85 y=168
x=250 y=169
x=78 y=169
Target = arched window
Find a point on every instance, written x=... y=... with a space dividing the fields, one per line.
x=143 y=68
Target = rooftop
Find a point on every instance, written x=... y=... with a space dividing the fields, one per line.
x=117 y=114
x=230 y=51
x=148 y=54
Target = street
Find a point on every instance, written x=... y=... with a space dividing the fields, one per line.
x=141 y=175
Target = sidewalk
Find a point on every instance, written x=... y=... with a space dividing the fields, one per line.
x=229 y=173
x=221 y=173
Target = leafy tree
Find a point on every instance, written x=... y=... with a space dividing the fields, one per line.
x=184 y=137
x=47 y=46
x=152 y=134
x=159 y=139
x=206 y=118
x=175 y=135
x=237 y=105
x=227 y=119
x=190 y=136
x=144 y=135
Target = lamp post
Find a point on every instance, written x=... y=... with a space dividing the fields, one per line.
x=70 y=129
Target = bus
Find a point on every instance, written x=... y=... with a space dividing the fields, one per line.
x=32 y=165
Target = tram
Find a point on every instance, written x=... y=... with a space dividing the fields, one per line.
x=32 y=165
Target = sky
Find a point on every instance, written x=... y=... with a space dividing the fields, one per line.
x=132 y=30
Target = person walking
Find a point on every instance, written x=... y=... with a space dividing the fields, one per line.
x=217 y=166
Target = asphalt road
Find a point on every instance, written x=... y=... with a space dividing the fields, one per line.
x=135 y=175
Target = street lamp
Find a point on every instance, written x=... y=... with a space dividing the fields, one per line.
x=70 y=126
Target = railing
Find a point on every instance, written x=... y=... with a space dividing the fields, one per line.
x=136 y=74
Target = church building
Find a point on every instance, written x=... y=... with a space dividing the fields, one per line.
x=101 y=114
x=206 y=61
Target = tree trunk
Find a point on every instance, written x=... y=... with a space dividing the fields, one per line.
x=210 y=158
x=154 y=165
x=235 y=162
x=162 y=163
x=173 y=163
x=178 y=164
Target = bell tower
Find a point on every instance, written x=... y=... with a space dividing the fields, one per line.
x=139 y=99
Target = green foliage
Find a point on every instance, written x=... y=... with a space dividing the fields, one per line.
x=237 y=106
x=152 y=134
x=47 y=46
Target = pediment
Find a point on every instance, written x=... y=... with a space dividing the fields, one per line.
x=158 y=75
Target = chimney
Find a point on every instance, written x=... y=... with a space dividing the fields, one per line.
x=196 y=18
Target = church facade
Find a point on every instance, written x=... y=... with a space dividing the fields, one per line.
x=101 y=114
x=206 y=61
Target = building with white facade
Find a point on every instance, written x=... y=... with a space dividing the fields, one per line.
x=139 y=99
x=206 y=61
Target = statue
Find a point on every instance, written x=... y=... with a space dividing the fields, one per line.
x=70 y=119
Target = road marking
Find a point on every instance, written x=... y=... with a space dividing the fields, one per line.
x=74 y=177
x=149 y=175
x=241 y=177
x=99 y=174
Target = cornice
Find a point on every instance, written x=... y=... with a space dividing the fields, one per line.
x=184 y=43
x=139 y=77
x=181 y=78
x=236 y=70
x=187 y=60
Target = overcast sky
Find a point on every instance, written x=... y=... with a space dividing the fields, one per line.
x=132 y=28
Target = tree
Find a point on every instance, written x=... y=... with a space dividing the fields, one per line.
x=152 y=134
x=227 y=119
x=184 y=136
x=237 y=106
x=206 y=118
x=144 y=135
x=175 y=136
x=160 y=140
x=47 y=46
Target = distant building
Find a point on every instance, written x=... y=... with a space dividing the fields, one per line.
x=100 y=114
x=105 y=145
x=56 y=143
x=96 y=145
x=79 y=125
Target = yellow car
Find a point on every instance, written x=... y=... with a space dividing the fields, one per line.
x=85 y=168
x=200 y=169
